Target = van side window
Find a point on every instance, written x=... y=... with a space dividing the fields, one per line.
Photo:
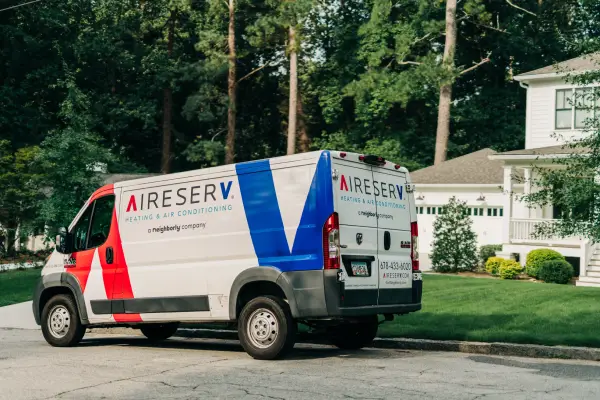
x=81 y=230
x=101 y=221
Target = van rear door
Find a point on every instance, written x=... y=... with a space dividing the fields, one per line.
x=357 y=213
x=394 y=236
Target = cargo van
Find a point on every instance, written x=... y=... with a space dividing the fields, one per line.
x=325 y=238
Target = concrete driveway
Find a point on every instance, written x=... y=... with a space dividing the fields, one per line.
x=129 y=368
x=18 y=316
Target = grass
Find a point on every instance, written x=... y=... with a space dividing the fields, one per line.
x=490 y=310
x=459 y=308
x=17 y=286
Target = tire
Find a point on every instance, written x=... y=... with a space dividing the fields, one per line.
x=258 y=315
x=159 y=332
x=354 y=336
x=61 y=325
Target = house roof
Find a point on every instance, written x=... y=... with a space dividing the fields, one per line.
x=544 y=151
x=473 y=168
x=584 y=63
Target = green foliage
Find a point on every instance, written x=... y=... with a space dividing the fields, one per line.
x=91 y=77
x=492 y=265
x=454 y=242
x=509 y=269
x=69 y=158
x=487 y=251
x=556 y=271
x=536 y=258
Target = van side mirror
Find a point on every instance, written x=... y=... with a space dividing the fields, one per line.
x=63 y=241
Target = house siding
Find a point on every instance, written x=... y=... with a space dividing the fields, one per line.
x=540 y=121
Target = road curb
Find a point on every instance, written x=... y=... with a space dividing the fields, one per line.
x=498 y=349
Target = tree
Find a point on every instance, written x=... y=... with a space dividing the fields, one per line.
x=231 y=87
x=454 y=242
x=443 y=128
x=284 y=24
x=572 y=184
x=20 y=192
x=70 y=157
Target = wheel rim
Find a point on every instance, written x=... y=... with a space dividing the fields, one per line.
x=59 y=322
x=262 y=328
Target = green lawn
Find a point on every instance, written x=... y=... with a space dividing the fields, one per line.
x=477 y=309
x=17 y=286
x=490 y=310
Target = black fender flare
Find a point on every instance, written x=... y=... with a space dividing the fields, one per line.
x=59 y=279
x=261 y=274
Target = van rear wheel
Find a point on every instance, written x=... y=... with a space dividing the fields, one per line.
x=354 y=336
x=266 y=328
x=159 y=332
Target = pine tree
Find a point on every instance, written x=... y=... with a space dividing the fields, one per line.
x=454 y=242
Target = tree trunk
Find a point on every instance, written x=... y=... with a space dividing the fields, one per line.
x=231 y=88
x=168 y=106
x=11 y=238
x=443 y=126
x=291 y=140
x=304 y=140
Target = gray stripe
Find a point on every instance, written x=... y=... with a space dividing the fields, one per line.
x=151 y=305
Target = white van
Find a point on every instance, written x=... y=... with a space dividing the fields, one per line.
x=326 y=238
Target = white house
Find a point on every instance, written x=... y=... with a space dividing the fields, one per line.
x=491 y=182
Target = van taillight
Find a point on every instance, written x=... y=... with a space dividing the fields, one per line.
x=414 y=243
x=331 y=243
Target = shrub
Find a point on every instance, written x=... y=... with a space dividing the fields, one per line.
x=556 y=271
x=488 y=251
x=454 y=241
x=536 y=258
x=509 y=269
x=493 y=265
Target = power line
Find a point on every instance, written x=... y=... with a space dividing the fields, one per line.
x=19 y=5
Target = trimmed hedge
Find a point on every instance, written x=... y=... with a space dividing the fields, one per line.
x=493 y=265
x=556 y=271
x=488 y=251
x=536 y=258
x=509 y=269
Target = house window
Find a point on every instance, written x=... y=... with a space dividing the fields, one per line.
x=584 y=106
x=419 y=210
x=574 y=108
x=564 y=108
x=478 y=212
x=440 y=210
x=494 y=212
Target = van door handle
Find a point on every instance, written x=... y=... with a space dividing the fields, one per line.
x=110 y=255
x=387 y=240
x=343 y=246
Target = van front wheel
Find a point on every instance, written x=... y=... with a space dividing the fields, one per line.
x=159 y=332
x=61 y=326
x=354 y=336
x=266 y=328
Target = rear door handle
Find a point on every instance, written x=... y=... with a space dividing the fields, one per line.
x=110 y=255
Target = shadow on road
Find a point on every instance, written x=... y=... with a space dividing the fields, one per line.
x=562 y=370
x=300 y=352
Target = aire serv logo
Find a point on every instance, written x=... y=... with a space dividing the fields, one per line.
x=370 y=187
x=186 y=196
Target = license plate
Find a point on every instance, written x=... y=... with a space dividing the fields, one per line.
x=359 y=269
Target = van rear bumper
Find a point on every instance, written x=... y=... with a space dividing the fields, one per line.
x=370 y=310
x=319 y=294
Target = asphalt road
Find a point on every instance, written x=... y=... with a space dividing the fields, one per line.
x=109 y=367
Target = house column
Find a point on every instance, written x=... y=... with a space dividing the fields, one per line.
x=527 y=189
x=508 y=205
